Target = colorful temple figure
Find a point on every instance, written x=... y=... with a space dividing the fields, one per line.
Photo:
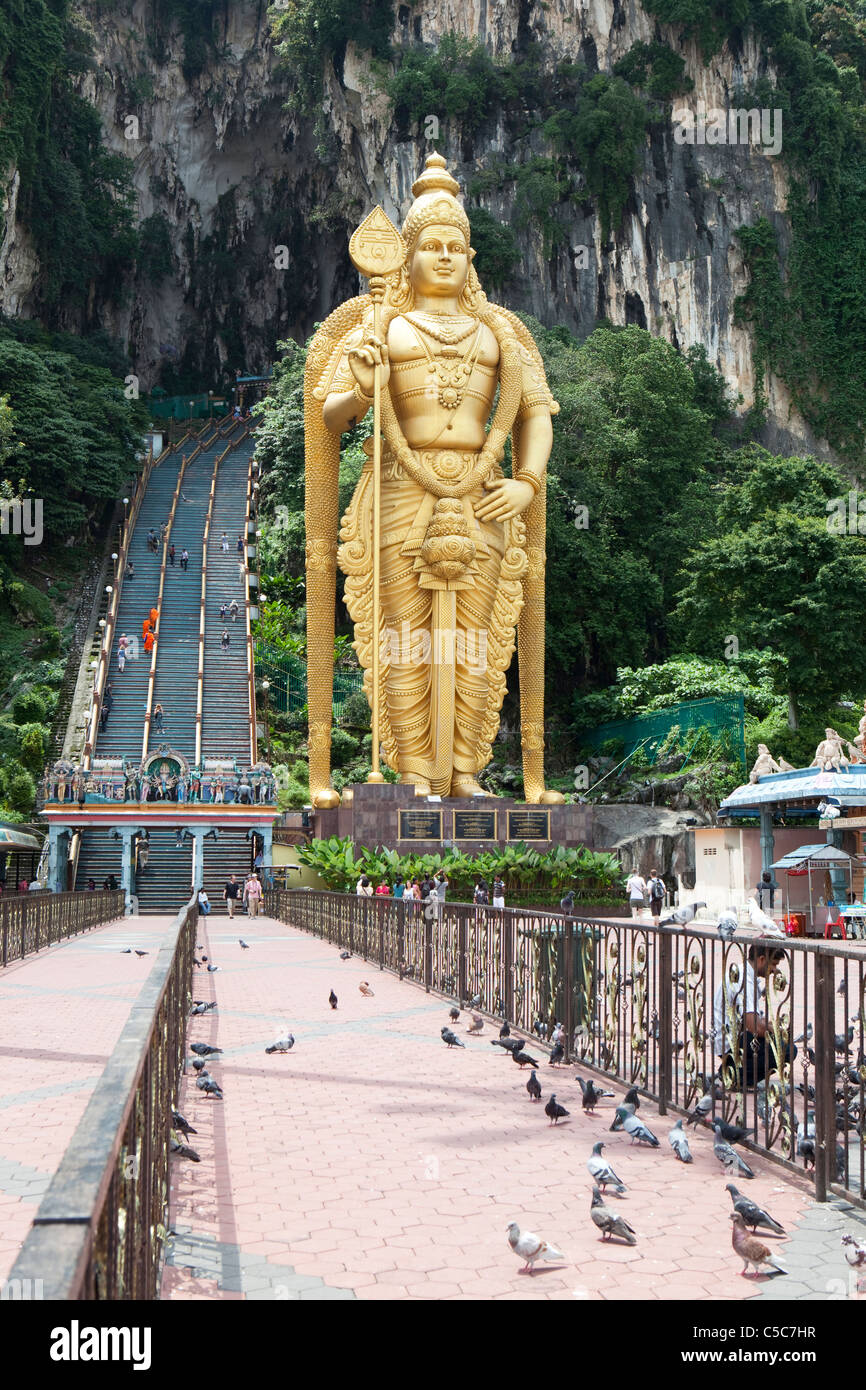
x=460 y=544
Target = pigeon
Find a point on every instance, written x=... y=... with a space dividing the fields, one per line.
x=556 y=1055
x=751 y=1251
x=681 y=916
x=530 y=1248
x=243 y=945
x=212 y=969
x=509 y=1044
x=200 y=1007
x=567 y=902
x=195 y=960
x=601 y=1171
x=591 y=1096
x=539 y=1028
x=806 y=1035
x=679 y=1143
x=752 y=1214
x=477 y=1024
x=147 y=953
x=199 y=1066
x=732 y=1134
x=727 y=925
x=180 y=1124
x=856 y=1257
x=766 y=926
x=204 y=957
x=620 y=1116
x=639 y=1131
x=558 y=1034
x=450 y=1038
x=475 y=1001
x=365 y=989
x=505 y=1031
x=454 y=1014
x=554 y=1112
x=523 y=1059
x=608 y=1222
x=727 y=1157
x=205 y=1050
x=127 y=952
x=842 y=1041
x=184 y=1151
x=632 y=1098
x=210 y=1087
x=701 y=1110
x=345 y=955
x=332 y=1000
x=533 y=1086
x=283 y=1042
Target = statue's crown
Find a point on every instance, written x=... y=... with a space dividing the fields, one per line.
x=435 y=193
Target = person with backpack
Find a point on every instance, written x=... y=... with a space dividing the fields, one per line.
x=657 y=893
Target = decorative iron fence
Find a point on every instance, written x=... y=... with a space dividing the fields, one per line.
x=100 y=1229
x=668 y=1010
x=29 y=921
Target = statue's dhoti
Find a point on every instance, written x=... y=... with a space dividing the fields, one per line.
x=451 y=594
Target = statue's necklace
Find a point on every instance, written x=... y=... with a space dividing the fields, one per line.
x=444 y=328
x=452 y=378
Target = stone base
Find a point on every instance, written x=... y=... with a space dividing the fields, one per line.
x=391 y=815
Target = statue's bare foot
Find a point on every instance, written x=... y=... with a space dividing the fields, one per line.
x=326 y=799
x=551 y=798
x=413 y=779
x=464 y=784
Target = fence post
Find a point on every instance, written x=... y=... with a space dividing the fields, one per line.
x=428 y=948
x=568 y=977
x=461 y=955
x=3 y=909
x=401 y=937
x=825 y=1079
x=384 y=915
x=367 y=911
x=665 y=987
x=507 y=927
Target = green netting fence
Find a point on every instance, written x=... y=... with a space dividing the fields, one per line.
x=195 y=407
x=288 y=679
x=723 y=717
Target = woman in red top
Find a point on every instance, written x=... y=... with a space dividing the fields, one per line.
x=383 y=891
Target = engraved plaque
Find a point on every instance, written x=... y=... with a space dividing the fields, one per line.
x=474 y=825
x=529 y=824
x=420 y=825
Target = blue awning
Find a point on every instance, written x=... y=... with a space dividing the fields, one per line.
x=819 y=856
x=803 y=784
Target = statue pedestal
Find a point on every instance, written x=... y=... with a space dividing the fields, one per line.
x=392 y=815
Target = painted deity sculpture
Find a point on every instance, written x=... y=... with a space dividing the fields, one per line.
x=461 y=545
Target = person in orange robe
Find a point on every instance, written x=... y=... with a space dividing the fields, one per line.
x=148 y=641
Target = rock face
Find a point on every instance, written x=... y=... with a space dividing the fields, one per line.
x=236 y=177
x=649 y=838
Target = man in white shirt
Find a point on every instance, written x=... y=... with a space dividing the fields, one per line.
x=738 y=1016
x=636 y=888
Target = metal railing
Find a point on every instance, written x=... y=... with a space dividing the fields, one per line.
x=100 y=1228
x=29 y=921
x=664 y=1009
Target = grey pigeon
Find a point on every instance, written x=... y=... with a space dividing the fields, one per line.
x=184 y=1151
x=243 y=945
x=511 y=1045
x=475 y=1001
x=752 y=1214
x=505 y=1031
x=454 y=1014
x=728 y=1158
x=591 y=1094
x=205 y=1050
x=557 y=1054
x=727 y=925
x=533 y=1086
x=450 y=1038
x=701 y=1110
x=554 y=1111
x=199 y=1007
x=679 y=1143
x=639 y=1131
x=212 y=969
x=608 y=1222
x=127 y=952
x=621 y=1114
x=523 y=1059
x=199 y=1065
x=283 y=1042
x=806 y=1035
x=602 y=1172
x=146 y=953
x=345 y=955
x=632 y=1098
x=732 y=1134
x=180 y=1124
x=841 y=1041
x=210 y=1087
x=681 y=916
x=332 y=1000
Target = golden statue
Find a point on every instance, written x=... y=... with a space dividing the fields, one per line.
x=452 y=549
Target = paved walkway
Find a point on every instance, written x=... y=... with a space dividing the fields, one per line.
x=371 y=1162
x=61 y=1013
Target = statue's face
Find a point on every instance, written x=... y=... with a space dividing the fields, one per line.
x=440 y=261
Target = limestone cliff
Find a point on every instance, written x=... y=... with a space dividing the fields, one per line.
x=230 y=175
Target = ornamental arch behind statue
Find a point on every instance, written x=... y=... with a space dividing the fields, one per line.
x=461 y=548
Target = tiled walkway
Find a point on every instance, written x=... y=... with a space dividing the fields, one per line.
x=372 y=1162
x=61 y=1013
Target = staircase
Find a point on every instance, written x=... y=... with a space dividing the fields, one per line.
x=164 y=885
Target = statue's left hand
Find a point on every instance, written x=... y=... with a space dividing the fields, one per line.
x=507 y=498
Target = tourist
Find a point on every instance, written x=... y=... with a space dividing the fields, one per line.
x=91 y=885
x=233 y=609
x=225 y=640
x=145 y=627
x=122 y=644
x=158 y=719
x=636 y=889
x=240 y=545
x=224 y=543
x=253 y=894
x=231 y=893
x=399 y=888
x=154 y=614
x=223 y=611
x=184 y=559
x=383 y=891
x=203 y=903
x=440 y=884
x=745 y=999
x=171 y=553
x=103 y=717
x=130 y=570
x=657 y=892
x=415 y=892
x=364 y=888
x=498 y=893
x=481 y=897
x=765 y=885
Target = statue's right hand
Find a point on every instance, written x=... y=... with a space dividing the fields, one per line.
x=364 y=360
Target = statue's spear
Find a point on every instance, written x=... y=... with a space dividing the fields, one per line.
x=377 y=249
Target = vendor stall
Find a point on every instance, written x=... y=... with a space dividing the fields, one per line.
x=805 y=881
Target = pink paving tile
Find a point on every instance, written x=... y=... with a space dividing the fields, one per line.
x=373 y=1157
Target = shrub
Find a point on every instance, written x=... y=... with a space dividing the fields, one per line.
x=28 y=707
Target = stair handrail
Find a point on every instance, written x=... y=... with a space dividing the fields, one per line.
x=199 y=699
x=251 y=662
x=162 y=569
